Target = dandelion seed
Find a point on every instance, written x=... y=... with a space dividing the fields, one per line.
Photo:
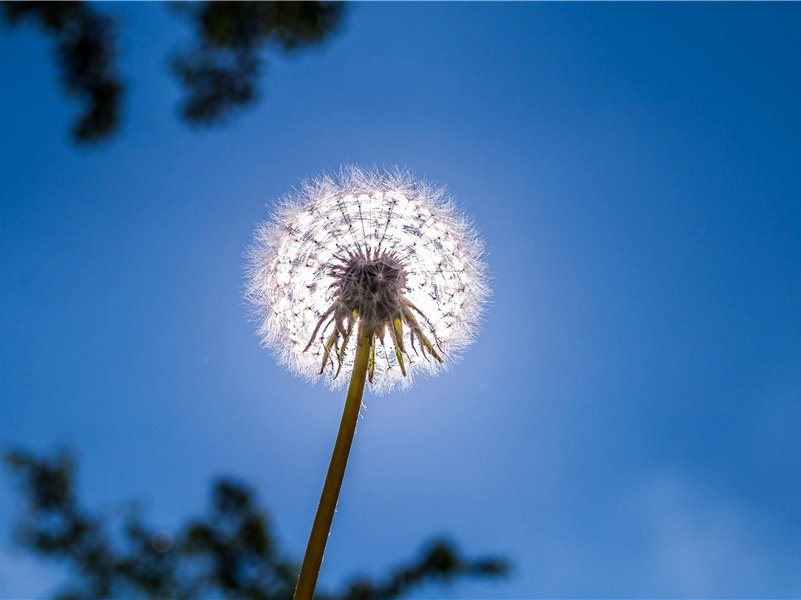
x=372 y=273
x=379 y=249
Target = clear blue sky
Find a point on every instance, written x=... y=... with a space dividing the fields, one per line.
x=627 y=423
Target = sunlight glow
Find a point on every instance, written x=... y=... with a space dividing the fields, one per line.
x=313 y=232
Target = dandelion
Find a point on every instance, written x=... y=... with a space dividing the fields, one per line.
x=368 y=273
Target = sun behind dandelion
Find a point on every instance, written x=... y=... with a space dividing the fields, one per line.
x=380 y=250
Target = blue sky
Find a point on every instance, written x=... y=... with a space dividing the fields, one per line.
x=627 y=422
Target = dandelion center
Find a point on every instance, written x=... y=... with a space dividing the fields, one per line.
x=371 y=286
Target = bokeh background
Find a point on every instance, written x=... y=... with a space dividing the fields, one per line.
x=627 y=423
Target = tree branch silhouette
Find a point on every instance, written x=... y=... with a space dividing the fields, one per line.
x=219 y=71
x=85 y=49
x=231 y=552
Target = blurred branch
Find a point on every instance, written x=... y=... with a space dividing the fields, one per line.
x=439 y=563
x=85 y=48
x=230 y=553
x=56 y=526
x=219 y=71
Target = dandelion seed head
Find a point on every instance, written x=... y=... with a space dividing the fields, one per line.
x=380 y=249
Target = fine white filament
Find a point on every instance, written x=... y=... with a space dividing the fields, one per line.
x=298 y=252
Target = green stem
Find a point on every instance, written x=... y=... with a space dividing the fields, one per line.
x=310 y=569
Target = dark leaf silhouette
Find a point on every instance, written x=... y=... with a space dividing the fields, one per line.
x=229 y=553
x=85 y=48
x=219 y=70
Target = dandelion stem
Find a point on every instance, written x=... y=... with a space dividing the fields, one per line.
x=310 y=568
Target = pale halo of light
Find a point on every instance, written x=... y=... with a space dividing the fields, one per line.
x=290 y=280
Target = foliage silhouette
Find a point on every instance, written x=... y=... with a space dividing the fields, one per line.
x=229 y=553
x=219 y=71
x=86 y=55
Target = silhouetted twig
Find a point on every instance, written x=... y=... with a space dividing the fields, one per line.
x=229 y=553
